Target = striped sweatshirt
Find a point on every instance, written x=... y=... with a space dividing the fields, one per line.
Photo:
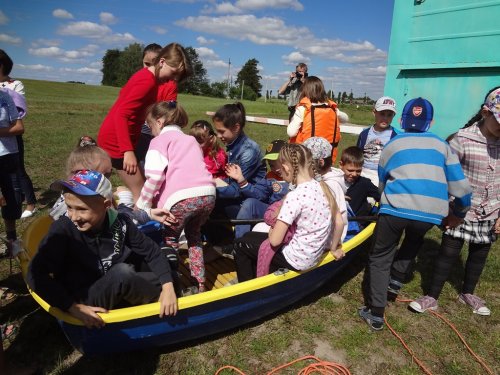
x=418 y=172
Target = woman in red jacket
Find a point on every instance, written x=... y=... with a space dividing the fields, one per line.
x=120 y=130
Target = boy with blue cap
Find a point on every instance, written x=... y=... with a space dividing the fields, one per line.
x=82 y=265
x=417 y=173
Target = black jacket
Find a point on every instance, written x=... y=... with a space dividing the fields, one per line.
x=361 y=189
x=68 y=261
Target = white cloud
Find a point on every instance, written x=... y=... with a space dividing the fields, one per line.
x=294 y=58
x=274 y=31
x=93 y=30
x=359 y=79
x=10 y=39
x=261 y=4
x=206 y=52
x=63 y=55
x=36 y=67
x=4 y=20
x=85 y=29
x=84 y=70
x=61 y=13
x=223 y=8
x=96 y=64
x=264 y=31
x=107 y=18
x=159 y=30
x=45 y=42
x=203 y=40
x=209 y=58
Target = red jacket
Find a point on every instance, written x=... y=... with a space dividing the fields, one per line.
x=121 y=128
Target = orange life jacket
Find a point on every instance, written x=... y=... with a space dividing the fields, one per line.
x=319 y=121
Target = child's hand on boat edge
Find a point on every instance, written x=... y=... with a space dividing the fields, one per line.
x=88 y=314
x=168 y=300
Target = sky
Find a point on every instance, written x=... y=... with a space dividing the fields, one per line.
x=345 y=43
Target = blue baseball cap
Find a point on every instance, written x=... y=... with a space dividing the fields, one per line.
x=86 y=183
x=417 y=115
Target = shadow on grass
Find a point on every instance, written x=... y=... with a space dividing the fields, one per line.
x=424 y=264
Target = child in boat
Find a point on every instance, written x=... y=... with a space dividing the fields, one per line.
x=81 y=265
x=121 y=129
x=259 y=195
x=87 y=155
x=373 y=139
x=311 y=206
x=178 y=181
x=229 y=123
x=417 y=172
x=213 y=154
x=321 y=152
x=359 y=188
x=477 y=145
x=167 y=92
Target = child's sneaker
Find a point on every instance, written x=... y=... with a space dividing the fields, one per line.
x=423 y=304
x=394 y=286
x=375 y=322
x=477 y=304
x=226 y=251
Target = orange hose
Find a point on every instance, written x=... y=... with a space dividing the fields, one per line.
x=320 y=367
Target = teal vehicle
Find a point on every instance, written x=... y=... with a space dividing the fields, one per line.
x=446 y=51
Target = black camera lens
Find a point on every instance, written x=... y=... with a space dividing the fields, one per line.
x=298 y=75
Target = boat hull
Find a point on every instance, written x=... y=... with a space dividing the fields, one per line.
x=198 y=316
x=202 y=320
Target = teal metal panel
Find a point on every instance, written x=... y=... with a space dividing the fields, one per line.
x=446 y=51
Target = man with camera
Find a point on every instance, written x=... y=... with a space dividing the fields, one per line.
x=292 y=87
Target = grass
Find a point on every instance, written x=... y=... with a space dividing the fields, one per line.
x=325 y=324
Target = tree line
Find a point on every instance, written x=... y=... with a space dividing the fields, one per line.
x=119 y=65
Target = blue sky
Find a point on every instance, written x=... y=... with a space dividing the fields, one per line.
x=345 y=43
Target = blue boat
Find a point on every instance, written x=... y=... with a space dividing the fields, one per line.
x=217 y=310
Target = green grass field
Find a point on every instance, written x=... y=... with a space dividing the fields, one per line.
x=325 y=325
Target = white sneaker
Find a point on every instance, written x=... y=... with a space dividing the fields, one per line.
x=27 y=213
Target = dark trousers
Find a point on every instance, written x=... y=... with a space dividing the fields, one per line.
x=8 y=169
x=23 y=180
x=123 y=286
x=388 y=232
x=448 y=255
x=246 y=253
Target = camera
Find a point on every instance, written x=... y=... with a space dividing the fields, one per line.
x=299 y=75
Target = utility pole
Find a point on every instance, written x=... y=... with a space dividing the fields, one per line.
x=228 y=75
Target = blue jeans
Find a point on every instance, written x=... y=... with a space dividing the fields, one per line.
x=251 y=208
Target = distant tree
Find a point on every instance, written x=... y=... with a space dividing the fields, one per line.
x=351 y=97
x=130 y=62
x=248 y=93
x=110 y=63
x=218 y=89
x=344 y=97
x=249 y=74
x=198 y=82
x=339 y=99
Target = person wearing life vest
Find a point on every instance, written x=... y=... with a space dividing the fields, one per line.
x=315 y=116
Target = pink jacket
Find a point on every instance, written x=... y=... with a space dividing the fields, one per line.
x=174 y=170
